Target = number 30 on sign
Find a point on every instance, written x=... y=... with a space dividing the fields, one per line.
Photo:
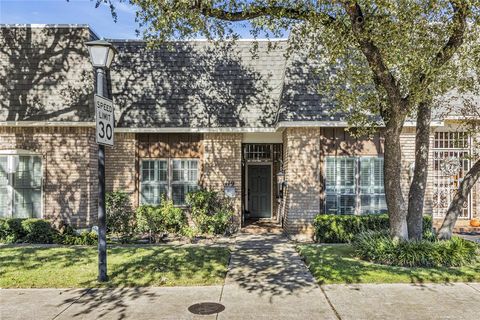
x=104 y=120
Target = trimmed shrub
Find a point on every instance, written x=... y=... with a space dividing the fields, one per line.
x=85 y=239
x=343 y=228
x=378 y=247
x=120 y=217
x=156 y=220
x=11 y=230
x=37 y=231
x=211 y=213
x=41 y=231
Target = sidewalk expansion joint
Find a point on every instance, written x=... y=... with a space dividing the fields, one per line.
x=330 y=303
x=74 y=301
x=472 y=287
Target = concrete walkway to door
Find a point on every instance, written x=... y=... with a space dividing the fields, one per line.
x=267 y=279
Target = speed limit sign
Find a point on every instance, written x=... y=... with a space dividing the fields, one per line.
x=104 y=120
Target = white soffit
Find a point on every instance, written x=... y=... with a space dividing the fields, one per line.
x=262 y=137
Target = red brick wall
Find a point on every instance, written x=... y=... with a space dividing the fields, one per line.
x=69 y=169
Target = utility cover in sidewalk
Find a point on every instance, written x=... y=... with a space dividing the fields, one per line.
x=206 y=308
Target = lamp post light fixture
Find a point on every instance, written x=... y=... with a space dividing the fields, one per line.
x=280 y=183
x=102 y=54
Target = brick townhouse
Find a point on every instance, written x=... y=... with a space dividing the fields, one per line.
x=188 y=115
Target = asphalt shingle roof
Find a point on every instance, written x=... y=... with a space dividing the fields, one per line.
x=197 y=84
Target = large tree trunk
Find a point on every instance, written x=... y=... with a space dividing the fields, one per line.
x=416 y=195
x=459 y=199
x=393 y=187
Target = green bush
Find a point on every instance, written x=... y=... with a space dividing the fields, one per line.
x=85 y=239
x=343 y=228
x=41 y=231
x=37 y=231
x=11 y=230
x=377 y=246
x=211 y=213
x=120 y=217
x=160 y=219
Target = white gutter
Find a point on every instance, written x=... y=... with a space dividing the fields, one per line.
x=434 y=123
x=194 y=130
x=296 y=124
x=46 y=124
x=279 y=127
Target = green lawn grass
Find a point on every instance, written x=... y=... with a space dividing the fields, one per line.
x=76 y=266
x=338 y=264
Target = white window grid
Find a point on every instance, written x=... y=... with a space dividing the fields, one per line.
x=21 y=192
x=168 y=174
x=352 y=194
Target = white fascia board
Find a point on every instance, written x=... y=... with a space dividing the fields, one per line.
x=462 y=118
x=193 y=130
x=290 y=124
x=46 y=124
x=434 y=123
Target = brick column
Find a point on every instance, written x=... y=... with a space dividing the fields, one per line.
x=222 y=164
x=303 y=174
x=121 y=166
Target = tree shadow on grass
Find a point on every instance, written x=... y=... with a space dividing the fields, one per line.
x=127 y=265
x=166 y=265
x=338 y=264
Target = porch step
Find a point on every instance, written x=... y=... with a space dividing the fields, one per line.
x=262 y=227
x=470 y=230
x=462 y=227
x=463 y=230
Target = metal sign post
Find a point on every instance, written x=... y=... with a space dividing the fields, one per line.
x=102 y=54
x=104 y=118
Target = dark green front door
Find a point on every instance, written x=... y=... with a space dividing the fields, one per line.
x=259 y=191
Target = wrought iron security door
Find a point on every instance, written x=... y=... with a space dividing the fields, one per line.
x=451 y=161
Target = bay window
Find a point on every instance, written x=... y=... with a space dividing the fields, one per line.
x=171 y=178
x=354 y=185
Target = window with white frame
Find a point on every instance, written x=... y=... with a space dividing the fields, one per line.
x=20 y=186
x=154 y=182
x=184 y=179
x=354 y=185
x=172 y=178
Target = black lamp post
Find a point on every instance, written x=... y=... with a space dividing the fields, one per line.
x=101 y=56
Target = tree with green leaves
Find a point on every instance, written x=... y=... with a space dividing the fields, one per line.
x=394 y=60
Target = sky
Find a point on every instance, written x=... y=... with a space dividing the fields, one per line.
x=76 y=12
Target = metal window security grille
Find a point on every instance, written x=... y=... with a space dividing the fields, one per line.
x=258 y=152
x=20 y=186
x=451 y=161
x=354 y=185
x=172 y=178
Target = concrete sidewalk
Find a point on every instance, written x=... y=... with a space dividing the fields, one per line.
x=382 y=301
x=266 y=280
